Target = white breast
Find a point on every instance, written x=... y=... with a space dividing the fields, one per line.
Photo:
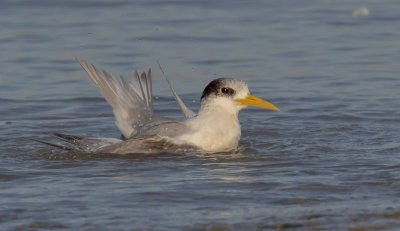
x=212 y=132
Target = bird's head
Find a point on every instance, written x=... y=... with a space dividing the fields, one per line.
x=231 y=95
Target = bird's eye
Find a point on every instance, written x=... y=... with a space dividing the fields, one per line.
x=227 y=91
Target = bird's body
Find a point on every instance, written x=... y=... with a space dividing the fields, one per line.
x=212 y=131
x=215 y=128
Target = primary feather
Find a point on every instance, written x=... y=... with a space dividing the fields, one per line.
x=184 y=109
x=131 y=100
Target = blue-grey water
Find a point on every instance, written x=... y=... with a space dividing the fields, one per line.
x=329 y=160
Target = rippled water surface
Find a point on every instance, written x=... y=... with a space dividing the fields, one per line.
x=329 y=160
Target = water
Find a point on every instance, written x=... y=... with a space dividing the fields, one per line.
x=328 y=161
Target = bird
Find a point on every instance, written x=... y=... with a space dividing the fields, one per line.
x=215 y=128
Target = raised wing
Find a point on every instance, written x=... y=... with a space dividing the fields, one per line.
x=131 y=99
x=185 y=110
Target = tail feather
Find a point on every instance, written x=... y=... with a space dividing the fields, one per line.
x=61 y=146
x=77 y=143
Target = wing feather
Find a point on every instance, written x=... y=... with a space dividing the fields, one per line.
x=184 y=109
x=131 y=101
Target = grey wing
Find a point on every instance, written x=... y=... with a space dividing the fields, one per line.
x=131 y=99
x=185 y=110
x=163 y=127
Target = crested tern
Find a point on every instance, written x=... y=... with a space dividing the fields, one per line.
x=215 y=128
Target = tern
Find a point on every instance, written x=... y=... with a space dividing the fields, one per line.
x=215 y=128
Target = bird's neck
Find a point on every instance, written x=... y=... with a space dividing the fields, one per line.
x=219 y=107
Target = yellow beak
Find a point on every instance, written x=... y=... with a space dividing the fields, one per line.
x=252 y=100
